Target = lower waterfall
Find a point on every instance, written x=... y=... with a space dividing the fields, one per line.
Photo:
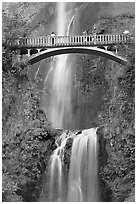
x=81 y=184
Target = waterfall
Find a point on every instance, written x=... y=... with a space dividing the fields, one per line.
x=56 y=169
x=79 y=183
x=56 y=176
x=60 y=110
x=81 y=180
x=82 y=184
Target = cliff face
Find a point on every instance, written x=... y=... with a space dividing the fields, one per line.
x=110 y=17
x=103 y=95
x=44 y=14
x=92 y=72
x=42 y=20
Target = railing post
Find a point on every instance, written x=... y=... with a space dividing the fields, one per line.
x=61 y=40
x=66 y=40
x=122 y=38
x=90 y=39
x=72 y=40
x=78 y=39
x=85 y=39
x=75 y=40
x=48 y=40
x=106 y=48
x=28 y=41
x=105 y=38
x=55 y=40
x=69 y=40
x=81 y=40
x=116 y=38
x=98 y=39
x=116 y=49
x=111 y=39
x=28 y=52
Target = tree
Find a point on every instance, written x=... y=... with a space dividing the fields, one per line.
x=28 y=138
x=119 y=121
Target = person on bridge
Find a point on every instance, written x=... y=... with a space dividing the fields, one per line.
x=84 y=38
x=52 y=36
x=126 y=32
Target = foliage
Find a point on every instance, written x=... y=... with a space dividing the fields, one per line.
x=116 y=85
x=119 y=121
x=26 y=150
x=28 y=138
x=13 y=27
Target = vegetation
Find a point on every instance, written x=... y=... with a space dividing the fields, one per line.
x=28 y=138
x=120 y=136
x=114 y=86
x=118 y=119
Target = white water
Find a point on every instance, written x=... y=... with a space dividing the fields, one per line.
x=81 y=182
x=56 y=170
x=60 y=106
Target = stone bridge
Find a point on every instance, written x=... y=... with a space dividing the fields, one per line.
x=43 y=47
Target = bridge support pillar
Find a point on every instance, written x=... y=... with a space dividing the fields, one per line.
x=38 y=50
x=106 y=48
x=116 y=49
x=28 y=52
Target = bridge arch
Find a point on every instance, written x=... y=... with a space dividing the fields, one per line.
x=67 y=50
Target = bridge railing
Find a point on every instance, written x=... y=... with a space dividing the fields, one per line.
x=49 y=41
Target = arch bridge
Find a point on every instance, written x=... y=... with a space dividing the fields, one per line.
x=43 y=47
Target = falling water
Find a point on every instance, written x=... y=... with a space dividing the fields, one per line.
x=82 y=184
x=82 y=178
x=60 y=100
x=56 y=169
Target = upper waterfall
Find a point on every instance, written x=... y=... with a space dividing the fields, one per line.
x=61 y=20
x=60 y=107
